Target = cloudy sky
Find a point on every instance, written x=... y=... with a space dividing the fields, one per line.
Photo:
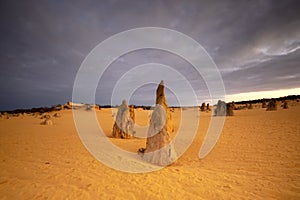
x=255 y=45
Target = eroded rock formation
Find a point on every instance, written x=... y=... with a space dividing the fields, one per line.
x=207 y=107
x=47 y=122
x=203 y=107
x=250 y=106
x=285 y=105
x=272 y=105
x=264 y=104
x=131 y=113
x=224 y=109
x=159 y=149
x=161 y=100
x=123 y=126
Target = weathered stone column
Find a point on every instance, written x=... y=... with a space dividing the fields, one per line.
x=272 y=105
x=123 y=127
x=159 y=149
x=161 y=100
x=224 y=109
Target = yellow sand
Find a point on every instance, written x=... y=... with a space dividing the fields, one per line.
x=256 y=157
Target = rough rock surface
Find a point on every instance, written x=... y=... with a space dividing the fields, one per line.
x=250 y=106
x=220 y=109
x=207 y=107
x=161 y=100
x=57 y=115
x=159 y=149
x=203 y=107
x=224 y=109
x=272 y=105
x=264 y=104
x=285 y=105
x=131 y=113
x=123 y=127
x=47 y=121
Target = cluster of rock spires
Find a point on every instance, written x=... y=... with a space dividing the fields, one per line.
x=224 y=109
x=272 y=105
x=159 y=149
x=204 y=107
x=46 y=119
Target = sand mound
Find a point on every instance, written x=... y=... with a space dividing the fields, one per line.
x=56 y=115
x=46 y=116
x=47 y=122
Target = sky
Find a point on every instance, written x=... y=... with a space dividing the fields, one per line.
x=254 y=44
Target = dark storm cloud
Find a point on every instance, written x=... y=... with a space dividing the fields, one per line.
x=255 y=44
x=276 y=72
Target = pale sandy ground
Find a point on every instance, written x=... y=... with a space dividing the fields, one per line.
x=256 y=157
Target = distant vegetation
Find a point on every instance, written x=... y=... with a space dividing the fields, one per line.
x=67 y=106
x=35 y=110
x=290 y=97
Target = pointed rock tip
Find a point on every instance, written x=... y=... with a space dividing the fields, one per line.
x=124 y=102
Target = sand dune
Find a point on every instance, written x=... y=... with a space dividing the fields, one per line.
x=256 y=157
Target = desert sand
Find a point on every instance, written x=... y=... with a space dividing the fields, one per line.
x=256 y=157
